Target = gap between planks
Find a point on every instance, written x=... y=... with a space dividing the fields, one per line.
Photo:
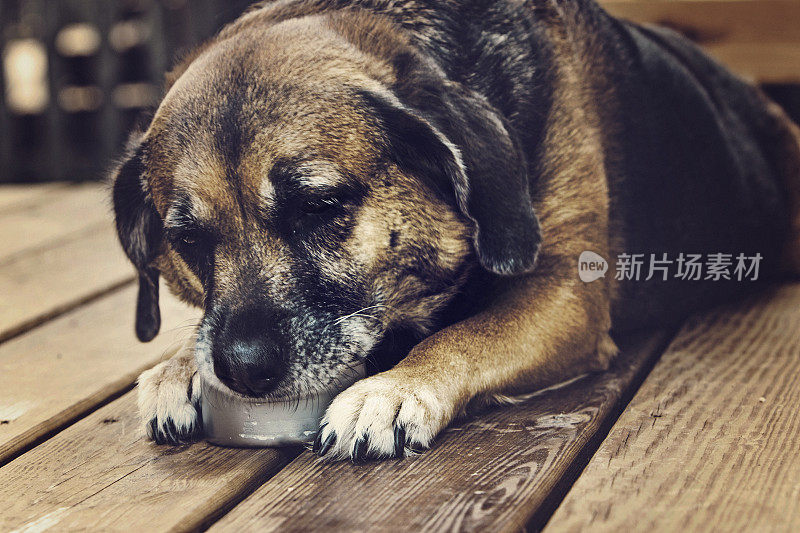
x=44 y=222
x=25 y=324
x=20 y=196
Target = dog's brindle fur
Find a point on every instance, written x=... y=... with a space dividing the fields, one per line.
x=325 y=174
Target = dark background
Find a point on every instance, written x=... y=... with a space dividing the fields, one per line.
x=77 y=73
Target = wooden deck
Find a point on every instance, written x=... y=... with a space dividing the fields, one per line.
x=696 y=429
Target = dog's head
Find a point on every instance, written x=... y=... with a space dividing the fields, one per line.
x=313 y=184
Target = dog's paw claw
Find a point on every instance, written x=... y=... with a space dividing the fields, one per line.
x=317 y=441
x=169 y=404
x=167 y=432
x=399 y=440
x=324 y=442
x=380 y=417
x=360 y=447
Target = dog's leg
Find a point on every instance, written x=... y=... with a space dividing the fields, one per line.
x=169 y=399
x=540 y=331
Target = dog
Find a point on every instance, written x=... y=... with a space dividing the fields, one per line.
x=412 y=182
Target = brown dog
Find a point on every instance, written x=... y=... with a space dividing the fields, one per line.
x=333 y=180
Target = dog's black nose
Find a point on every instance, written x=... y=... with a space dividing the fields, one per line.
x=251 y=367
x=247 y=356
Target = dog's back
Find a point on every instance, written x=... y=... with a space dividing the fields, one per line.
x=698 y=162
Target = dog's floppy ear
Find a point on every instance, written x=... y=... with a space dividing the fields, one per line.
x=466 y=152
x=140 y=233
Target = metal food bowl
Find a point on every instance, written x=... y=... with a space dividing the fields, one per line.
x=233 y=421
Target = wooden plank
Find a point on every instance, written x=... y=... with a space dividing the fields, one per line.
x=759 y=39
x=54 y=374
x=490 y=473
x=52 y=264
x=711 y=439
x=14 y=196
x=101 y=475
x=46 y=282
x=73 y=209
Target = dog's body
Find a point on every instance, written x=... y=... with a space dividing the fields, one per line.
x=325 y=174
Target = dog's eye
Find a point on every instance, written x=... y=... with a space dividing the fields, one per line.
x=188 y=239
x=320 y=206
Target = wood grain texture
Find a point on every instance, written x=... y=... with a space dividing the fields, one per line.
x=101 y=475
x=59 y=371
x=52 y=217
x=45 y=282
x=759 y=39
x=489 y=473
x=711 y=439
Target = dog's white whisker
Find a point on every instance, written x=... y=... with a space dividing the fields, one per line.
x=358 y=313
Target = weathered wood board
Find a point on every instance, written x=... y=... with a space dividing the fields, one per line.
x=47 y=281
x=101 y=475
x=59 y=371
x=712 y=438
x=52 y=217
x=490 y=473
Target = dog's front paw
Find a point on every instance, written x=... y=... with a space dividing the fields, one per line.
x=387 y=415
x=169 y=402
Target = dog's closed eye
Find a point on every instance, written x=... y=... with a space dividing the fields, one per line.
x=306 y=210
x=307 y=215
x=321 y=206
